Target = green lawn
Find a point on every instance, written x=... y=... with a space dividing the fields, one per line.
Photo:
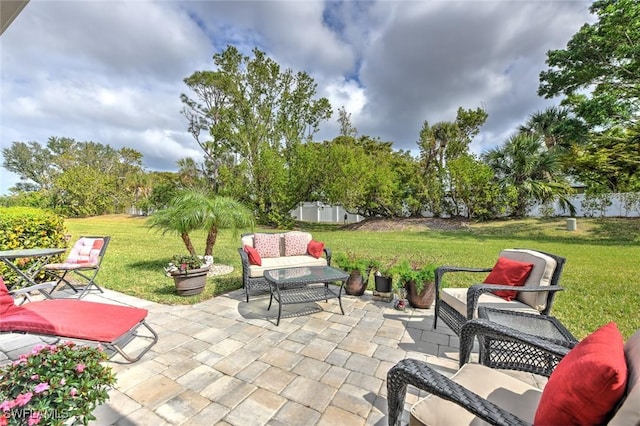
x=601 y=276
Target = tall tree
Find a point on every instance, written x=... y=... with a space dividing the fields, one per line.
x=249 y=107
x=525 y=168
x=346 y=128
x=603 y=60
x=557 y=127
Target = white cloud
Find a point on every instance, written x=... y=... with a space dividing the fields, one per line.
x=111 y=72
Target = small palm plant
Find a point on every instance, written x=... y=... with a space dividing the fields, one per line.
x=192 y=209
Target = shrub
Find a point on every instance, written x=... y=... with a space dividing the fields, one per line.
x=54 y=383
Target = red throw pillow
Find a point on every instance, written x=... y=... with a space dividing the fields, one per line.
x=508 y=272
x=254 y=257
x=315 y=248
x=587 y=383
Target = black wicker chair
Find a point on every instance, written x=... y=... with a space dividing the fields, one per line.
x=455 y=319
x=509 y=402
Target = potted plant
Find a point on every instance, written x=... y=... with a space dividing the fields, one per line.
x=189 y=274
x=358 y=269
x=54 y=384
x=419 y=282
x=189 y=210
x=383 y=276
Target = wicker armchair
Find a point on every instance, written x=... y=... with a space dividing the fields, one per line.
x=477 y=392
x=455 y=306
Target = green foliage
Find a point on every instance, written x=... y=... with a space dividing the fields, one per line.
x=351 y=262
x=523 y=165
x=24 y=228
x=252 y=109
x=473 y=189
x=193 y=209
x=602 y=58
x=180 y=263
x=54 y=383
x=77 y=178
x=406 y=271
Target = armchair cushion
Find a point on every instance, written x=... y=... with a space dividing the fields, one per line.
x=540 y=275
x=587 y=383
x=508 y=272
x=457 y=299
x=500 y=388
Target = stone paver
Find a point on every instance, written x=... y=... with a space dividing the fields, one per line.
x=225 y=362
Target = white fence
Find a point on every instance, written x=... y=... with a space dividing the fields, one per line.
x=605 y=205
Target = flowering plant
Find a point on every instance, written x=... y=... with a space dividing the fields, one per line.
x=54 y=383
x=180 y=263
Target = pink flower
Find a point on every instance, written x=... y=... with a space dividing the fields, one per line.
x=34 y=418
x=23 y=399
x=37 y=348
x=63 y=381
x=73 y=392
x=35 y=377
x=41 y=387
x=80 y=368
x=7 y=405
x=4 y=421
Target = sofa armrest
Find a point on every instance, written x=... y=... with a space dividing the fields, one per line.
x=327 y=255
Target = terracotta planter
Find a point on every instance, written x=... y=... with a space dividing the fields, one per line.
x=356 y=284
x=190 y=282
x=383 y=284
x=425 y=299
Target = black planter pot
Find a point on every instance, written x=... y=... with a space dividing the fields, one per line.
x=383 y=284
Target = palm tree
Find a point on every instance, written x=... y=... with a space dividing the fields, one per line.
x=556 y=126
x=524 y=167
x=192 y=209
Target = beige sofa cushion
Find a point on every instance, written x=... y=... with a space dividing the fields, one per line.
x=256 y=271
x=540 y=275
x=457 y=299
x=504 y=390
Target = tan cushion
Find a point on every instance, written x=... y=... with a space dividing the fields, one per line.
x=457 y=299
x=506 y=391
x=285 y=262
x=540 y=275
x=629 y=411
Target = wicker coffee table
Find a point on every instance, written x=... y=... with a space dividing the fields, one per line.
x=502 y=352
x=304 y=284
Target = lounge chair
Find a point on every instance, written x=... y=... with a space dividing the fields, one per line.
x=112 y=326
x=455 y=306
x=81 y=266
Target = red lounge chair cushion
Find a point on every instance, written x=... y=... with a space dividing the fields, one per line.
x=254 y=257
x=315 y=248
x=77 y=319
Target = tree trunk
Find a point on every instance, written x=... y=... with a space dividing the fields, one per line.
x=187 y=242
x=212 y=235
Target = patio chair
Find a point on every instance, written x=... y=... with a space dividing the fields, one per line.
x=112 y=326
x=80 y=268
x=596 y=382
x=455 y=306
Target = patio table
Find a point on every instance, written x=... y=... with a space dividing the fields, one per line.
x=41 y=257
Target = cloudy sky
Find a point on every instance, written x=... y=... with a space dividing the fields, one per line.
x=112 y=71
